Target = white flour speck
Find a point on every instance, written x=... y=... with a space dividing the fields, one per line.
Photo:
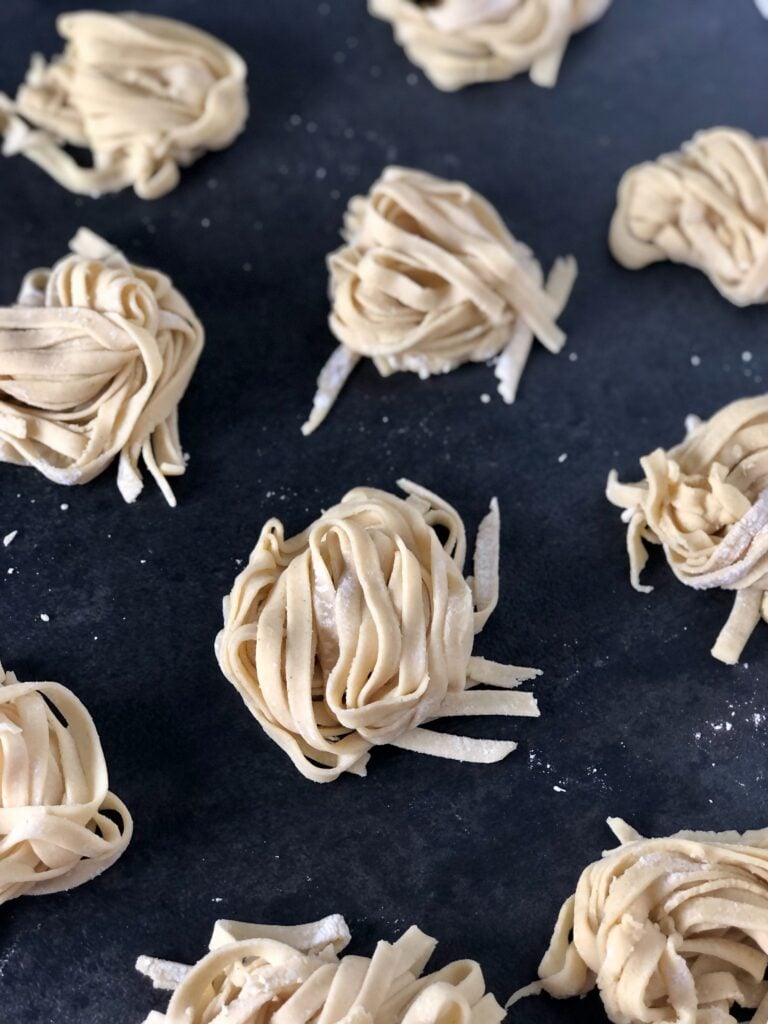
x=563 y=457
x=746 y=357
x=485 y=398
x=64 y=506
x=558 y=789
x=695 y=360
x=573 y=356
x=9 y=538
x=45 y=618
x=205 y=222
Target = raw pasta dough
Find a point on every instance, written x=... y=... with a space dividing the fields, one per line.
x=668 y=929
x=706 y=502
x=94 y=359
x=55 y=832
x=459 y=42
x=430 y=278
x=256 y=974
x=145 y=95
x=360 y=629
x=706 y=206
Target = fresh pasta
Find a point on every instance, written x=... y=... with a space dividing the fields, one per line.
x=705 y=502
x=672 y=929
x=145 y=95
x=359 y=630
x=257 y=974
x=705 y=206
x=94 y=359
x=430 y=278
x=57 y=816
x=460 y=42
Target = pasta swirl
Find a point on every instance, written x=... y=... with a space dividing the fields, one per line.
x=55 y=829
x=459 y=42
x=94 y=359
x=706 y=502
x=359 y=630
x=707 y=207
x=146 y=95
x=257 y=974
x=672 y=929
x=430 y=278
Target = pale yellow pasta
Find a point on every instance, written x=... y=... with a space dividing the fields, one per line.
x=706 y=503
x=58 y=826
x=94 y=359
x=672 y=929
x=430 y=278
x=359 y=630
x=705 y=206
x=266 y=974
x=459 y=42
x=145 y=95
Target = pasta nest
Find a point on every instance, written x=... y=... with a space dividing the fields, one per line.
x=707 y=207
x=672 y=929
x=705 y=501
x=358 y=630
x=145 y=95
x=94 y=359
x=460 y=42
x=56 y=831
x=430 y=278
x=255 y=974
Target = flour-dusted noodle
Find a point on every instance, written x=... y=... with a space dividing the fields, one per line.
x=430 y=278
x=672 y=929
x=262 y=974
x=762 y=6
x=705 y=206
x=459 y=42
x=58 y=826
x=706 y=502
x=145 y=95
x=94 y=360
x=359 y=630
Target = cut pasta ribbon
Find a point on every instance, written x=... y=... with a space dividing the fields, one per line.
x=706 y=502
x=669 y=929
x=94 y=359
x=707 y=207
x=359 y=630
x=57 y=827
x=430 y=278
x=460 y=42
x=259 y=974
x=145 y=95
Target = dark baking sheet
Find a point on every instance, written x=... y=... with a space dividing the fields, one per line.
x=637 y=719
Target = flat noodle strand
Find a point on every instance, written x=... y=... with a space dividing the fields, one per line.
x=459 y=42
x=430 y=278
x=672 y=929
x=262 y=974
x=145 y=95
x=359 y=631
x=57 y=816
x=706 y=503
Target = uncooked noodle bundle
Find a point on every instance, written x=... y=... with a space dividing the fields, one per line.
x=145 y=95
x=430 y=278
x=706 y=502
x=359 y=630
x=94 y=360
x=706 y=206
x=671 y=929
x=56 y=831
x=459 y=42
x=259 y=974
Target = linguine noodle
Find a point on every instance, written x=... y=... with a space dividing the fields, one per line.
x=359 y=630
x=430 y=278
x=94 y=360
x=459 y=42
x=706 y=502
x=145 y=95
x=55 y=826
x=265 y=974
x=672 y=929
x=707 y=207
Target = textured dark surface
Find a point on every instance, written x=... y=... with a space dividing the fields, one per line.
x=637 y=719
